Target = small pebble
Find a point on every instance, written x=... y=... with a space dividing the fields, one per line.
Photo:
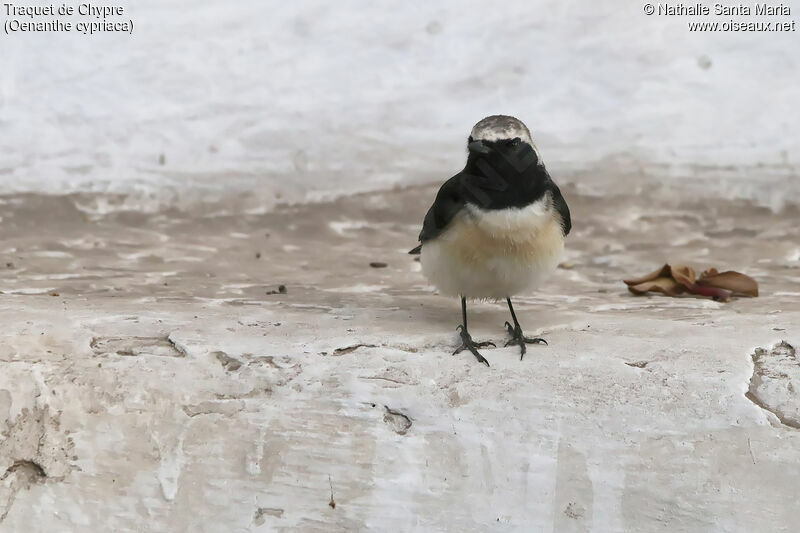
x=281 y=290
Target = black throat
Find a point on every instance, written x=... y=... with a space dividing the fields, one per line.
x=507 y=176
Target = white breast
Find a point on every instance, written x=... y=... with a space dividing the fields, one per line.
x=495 y=253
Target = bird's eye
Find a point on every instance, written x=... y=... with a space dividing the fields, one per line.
x=515 y=141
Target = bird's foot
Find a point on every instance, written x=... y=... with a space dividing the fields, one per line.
x=518 y=338
x=468 y=344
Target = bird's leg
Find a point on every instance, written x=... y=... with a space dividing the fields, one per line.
x=516 y=333
x=466 y=340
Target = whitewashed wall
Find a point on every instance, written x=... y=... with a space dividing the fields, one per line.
x=298 y=99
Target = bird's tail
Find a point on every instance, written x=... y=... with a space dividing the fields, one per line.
x=416 y=251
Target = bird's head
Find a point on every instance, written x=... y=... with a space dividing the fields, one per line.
x=503 y=166
x=501 y=135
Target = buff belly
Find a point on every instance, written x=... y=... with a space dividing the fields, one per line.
x=495 y=254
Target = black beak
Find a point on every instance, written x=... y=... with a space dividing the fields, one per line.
x=477 y=147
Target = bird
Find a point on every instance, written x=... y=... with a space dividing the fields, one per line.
x=497 y=228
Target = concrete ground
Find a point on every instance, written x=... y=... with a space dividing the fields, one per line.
x=156 y=377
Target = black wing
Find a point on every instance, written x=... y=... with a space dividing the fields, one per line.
x=449 y=201
x=561 y=206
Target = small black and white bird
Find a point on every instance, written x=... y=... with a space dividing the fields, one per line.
x=496 y=228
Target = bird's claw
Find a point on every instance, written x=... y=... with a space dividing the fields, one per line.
x=468 y=344
x=518 y=338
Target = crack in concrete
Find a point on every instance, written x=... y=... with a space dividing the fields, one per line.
x=40 y=452
x=771 y=385
x=26 y=473
x=231 y=364
x=134 y=346
x=384 y=379
x=399 y=422
x=349 y=349
x=220 y=407
x=30 y=471
x=261 y=512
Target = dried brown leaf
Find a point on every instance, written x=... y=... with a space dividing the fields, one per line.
x=667 y=286
x=735 y=282
x=713 y=292
x=675 y=280
x=663 y=272
x=684 y=275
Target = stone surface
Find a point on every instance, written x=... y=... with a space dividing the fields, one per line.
x=154 y=378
